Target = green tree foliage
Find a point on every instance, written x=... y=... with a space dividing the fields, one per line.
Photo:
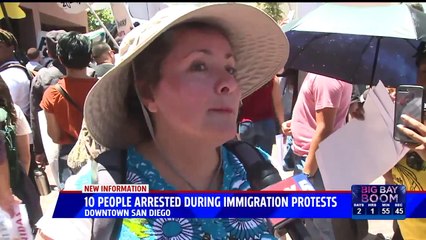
x=105 y=15
x=273 y=9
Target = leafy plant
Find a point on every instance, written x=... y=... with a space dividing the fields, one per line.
x=106 y=17
x=272 y=9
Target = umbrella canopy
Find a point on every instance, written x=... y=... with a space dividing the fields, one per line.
x=358 y=44
x=13 y=11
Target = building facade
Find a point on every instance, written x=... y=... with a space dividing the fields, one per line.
x=41 y=18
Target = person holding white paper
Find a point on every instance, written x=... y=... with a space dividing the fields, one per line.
x=321 y=108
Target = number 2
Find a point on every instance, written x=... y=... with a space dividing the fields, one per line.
x=358 y=211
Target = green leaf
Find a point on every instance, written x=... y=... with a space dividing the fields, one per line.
x=272 y=9
x=105 y=15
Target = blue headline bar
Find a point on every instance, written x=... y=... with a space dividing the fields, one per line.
x=218 y=205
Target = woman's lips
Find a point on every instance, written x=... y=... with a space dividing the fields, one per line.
x=222 y=110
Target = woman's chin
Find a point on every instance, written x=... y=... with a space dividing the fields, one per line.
x=220 y=137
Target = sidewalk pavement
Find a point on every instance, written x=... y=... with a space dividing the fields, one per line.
x=375 y=226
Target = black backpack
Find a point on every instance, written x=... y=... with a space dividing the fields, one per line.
x=113 y=163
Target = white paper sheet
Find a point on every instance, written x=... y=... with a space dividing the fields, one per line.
x=277 y=155
x=279 y=142
x=21 y=223
x=51 y=149
x=361 y=151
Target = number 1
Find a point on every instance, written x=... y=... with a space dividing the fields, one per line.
x=372 y=210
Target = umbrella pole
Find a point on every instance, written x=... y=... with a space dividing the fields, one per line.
x=376 y=56
x=6 y=17
x=103 y=26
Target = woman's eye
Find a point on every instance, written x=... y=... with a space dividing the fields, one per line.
x=232 y=70
x=198 y=66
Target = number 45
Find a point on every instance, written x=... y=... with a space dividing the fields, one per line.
x=399 y=210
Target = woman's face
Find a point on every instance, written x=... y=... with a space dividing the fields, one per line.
x=6 y=52
x=198 y=93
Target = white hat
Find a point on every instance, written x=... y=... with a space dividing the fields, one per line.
x=259 y=46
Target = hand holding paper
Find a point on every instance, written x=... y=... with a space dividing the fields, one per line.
x=362 y=150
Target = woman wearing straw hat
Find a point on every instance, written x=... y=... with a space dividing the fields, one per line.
x=173 y=101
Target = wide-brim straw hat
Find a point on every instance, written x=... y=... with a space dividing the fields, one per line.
x=259 y=47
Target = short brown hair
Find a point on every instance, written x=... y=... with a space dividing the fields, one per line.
x=33 y=53
x=99 y=49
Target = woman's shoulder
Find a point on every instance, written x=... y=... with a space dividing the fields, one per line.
x=141 y=171
x=235 y=175
x=235 y=171
x=18 y=109
x=22 y=125
x=19 y=114
x=51 y=92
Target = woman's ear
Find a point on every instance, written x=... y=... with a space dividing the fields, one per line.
x=149 y=104
x=145 y=96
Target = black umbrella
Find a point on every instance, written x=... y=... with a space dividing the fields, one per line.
x=358 y=44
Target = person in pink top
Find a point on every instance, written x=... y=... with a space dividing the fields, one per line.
x=321 y=108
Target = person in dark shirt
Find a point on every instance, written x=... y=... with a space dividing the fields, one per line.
x=258 y=114
x=45 y=77
x=104 y=57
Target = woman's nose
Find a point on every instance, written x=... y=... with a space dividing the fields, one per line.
x=227 y=83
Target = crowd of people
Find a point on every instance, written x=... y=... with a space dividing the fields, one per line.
x=57 y=85
x=190 y=77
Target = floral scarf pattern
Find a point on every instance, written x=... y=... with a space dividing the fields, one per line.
x=141 y=171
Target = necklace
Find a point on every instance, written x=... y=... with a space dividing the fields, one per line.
x=172 y=167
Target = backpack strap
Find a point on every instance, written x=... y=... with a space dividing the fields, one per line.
x=110 y=167
x=38 y=67
x=260 y=171
x=30 y=75
x=67 y=97
x=93 y=74
x=48 y=62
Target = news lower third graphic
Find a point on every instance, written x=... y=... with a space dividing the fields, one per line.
x=378 y=202
x=139 y=201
